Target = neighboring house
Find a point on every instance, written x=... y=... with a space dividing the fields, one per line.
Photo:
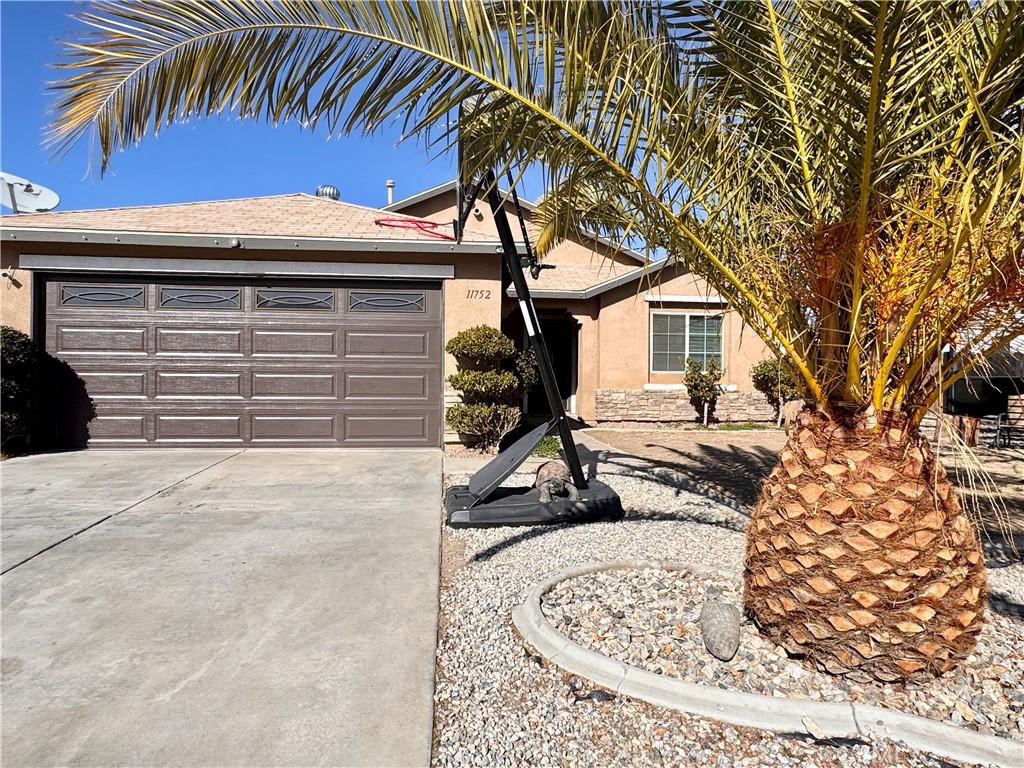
x=989 y=389
x=618 y=327
x=295 y=320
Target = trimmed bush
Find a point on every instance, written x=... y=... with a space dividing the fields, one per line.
x=483 y=425
x=18 y=364
x=702 y=386
x=774 y=381
x=486 y=386
x=492 y=376
x=481 y=347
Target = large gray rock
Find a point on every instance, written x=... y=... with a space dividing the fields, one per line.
x=720 y=625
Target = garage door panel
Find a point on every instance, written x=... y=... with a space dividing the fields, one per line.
x=380 y=428
x=407 y=342
x=295 y=427
x=126 y=427
x=108 y=384
x=367 y=384
x=294 y=343
x=199 y=341
x=199 y=384
x=203 y=365
x=92 y=340
x=200 y=426
x=291 y=385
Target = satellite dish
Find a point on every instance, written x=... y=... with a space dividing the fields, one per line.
x=22 y=196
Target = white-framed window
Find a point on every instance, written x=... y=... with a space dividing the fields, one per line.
x=678 y=334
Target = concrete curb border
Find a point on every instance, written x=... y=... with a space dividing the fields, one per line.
x=848 y=720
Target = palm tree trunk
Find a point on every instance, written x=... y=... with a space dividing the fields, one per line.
x=860 y=556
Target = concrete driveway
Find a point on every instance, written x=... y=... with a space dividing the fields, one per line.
x=257 y=607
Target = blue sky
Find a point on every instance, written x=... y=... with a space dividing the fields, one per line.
x=206 y=160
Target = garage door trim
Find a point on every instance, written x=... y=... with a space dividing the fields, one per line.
x=122 y=265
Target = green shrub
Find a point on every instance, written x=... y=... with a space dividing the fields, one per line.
x=550 y=447
x=526 y=369
x=774 y=381
x=702 y=386
x=481 y=347
x=486 y=386
x=18 y=364
x=483 y=425
x=492 y=376
x=44 y=404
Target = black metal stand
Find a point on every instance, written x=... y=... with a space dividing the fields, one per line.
x=482 y=502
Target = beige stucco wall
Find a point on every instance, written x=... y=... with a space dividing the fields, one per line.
x=472 y=298
x=625 y=327
x=442 y=208
x=15 y=293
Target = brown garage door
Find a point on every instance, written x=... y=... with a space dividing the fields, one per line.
x=172 y=363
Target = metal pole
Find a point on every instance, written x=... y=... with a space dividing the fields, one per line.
x=529 y=312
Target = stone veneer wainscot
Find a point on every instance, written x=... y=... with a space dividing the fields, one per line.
x=674 y=405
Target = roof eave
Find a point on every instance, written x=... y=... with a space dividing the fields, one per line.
x=597 y=289
x=419 y=197
x=449 y=186
x=243 y=241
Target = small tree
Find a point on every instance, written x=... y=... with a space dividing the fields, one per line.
x=703 y=387
x=774 y=381
x=17 y=374
x=491 y=379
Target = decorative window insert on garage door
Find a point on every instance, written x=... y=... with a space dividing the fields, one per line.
x=245 y=362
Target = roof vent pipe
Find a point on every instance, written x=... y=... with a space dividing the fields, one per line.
x=390 y=184
x=329 y=191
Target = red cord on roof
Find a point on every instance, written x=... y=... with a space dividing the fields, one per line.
x=428 y=228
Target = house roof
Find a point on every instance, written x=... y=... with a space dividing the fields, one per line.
x=276 y=221
x=574 y=281
x=1007 y=362
x=449 y=186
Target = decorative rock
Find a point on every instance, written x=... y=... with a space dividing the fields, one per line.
x=502 y=706
x=991 y=685
x=720 y=625
x=813 y=728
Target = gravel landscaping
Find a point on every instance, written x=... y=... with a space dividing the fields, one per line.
x=649 y=618
x=498 y=704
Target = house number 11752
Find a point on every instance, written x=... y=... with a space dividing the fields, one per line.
x=478 y=293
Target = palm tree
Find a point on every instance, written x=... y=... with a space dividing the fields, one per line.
x=846 y=174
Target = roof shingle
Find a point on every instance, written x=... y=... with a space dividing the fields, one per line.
x=578 y=277
x=294 y=215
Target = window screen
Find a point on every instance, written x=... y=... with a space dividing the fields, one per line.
x=676 y=337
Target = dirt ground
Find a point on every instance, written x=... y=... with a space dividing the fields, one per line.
x=733 y=464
